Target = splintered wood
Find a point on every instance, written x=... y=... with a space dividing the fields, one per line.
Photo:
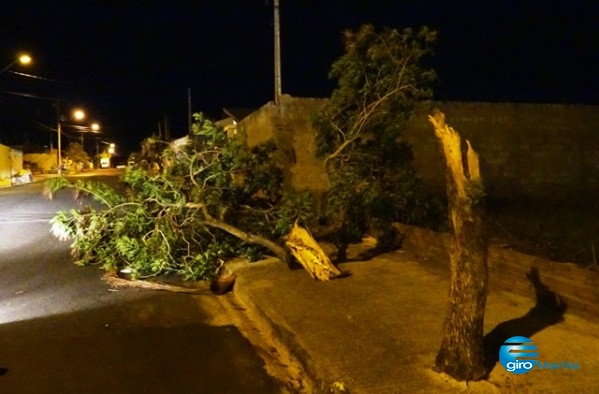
x=310 y=255
x=462 y=353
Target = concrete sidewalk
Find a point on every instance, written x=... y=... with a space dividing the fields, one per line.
x=378 y=330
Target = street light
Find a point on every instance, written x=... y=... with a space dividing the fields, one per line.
x=94 y=128
x=107 y=154
x=24 y=59
x=77 y=114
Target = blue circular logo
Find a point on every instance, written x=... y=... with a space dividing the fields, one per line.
x=518 y=355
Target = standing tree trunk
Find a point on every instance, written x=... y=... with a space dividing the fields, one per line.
x=462 y=353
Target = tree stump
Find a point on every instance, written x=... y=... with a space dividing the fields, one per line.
x=462 y=354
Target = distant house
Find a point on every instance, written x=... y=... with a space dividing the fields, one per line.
x=229 y=122
x=231 y=117
x=11 y=164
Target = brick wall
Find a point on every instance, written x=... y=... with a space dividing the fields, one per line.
x=535 y=151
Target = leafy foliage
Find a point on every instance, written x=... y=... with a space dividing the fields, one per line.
x=76 y=153
x=380 y=78
x=211 y=199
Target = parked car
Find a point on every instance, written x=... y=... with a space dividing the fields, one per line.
x=23 y=176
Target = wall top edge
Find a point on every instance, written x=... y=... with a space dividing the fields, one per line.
x=504 y=103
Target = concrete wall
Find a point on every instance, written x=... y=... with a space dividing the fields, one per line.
x=11 y=163
x=289 y=126
x=16 y=161
x=46 y=162
x=579 y=287
x=535 y=151
x=5 y=162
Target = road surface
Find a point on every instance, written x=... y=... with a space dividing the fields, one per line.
x=63 y=330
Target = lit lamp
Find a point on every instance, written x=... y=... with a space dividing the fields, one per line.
x=94 y=128
x=107 y=154
x=23 y=59
x=77 y=114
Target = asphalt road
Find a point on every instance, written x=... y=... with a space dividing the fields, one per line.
x=63 y=330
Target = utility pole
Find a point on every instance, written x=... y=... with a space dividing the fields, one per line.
x=189 y=111
x=59 y=160
x=277 y=55
x=59 y=130
x=167 y=132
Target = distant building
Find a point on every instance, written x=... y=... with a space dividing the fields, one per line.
x=232 y=117
x=11 y=164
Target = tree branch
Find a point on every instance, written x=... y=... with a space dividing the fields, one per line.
x=277 y=249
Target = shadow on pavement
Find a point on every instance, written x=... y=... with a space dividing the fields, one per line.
x=548 y=311
x=145 y=345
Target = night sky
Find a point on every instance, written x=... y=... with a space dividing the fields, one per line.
x=130 y=63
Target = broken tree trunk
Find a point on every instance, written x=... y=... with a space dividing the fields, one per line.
x=300 y=243
x=310 y=255
x=462 y=355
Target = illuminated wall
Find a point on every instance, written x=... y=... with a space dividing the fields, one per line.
x=289 y=126
x=536 y=151
x=44 y=162
x=16 y=161
x=5 y=162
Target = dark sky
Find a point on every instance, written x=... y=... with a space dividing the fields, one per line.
x=130 y=63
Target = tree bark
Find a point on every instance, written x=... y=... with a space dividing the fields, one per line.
x=462 y=353
x=300 y=243
x=278 y=250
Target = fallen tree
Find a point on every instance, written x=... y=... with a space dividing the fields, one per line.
x=210 y=200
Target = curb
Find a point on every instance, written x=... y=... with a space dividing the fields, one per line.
x=280 y=336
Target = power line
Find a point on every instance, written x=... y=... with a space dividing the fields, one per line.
x=40 y=78
x=30 y=95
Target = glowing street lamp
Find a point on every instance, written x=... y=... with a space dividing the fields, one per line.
x=106 y=155
x=24 y=59
x=94 y=128
x=76 y=114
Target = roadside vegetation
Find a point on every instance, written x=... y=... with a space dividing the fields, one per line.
x=372 y=181
x=187 y=209
x=184 y=214
x=77 y=158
